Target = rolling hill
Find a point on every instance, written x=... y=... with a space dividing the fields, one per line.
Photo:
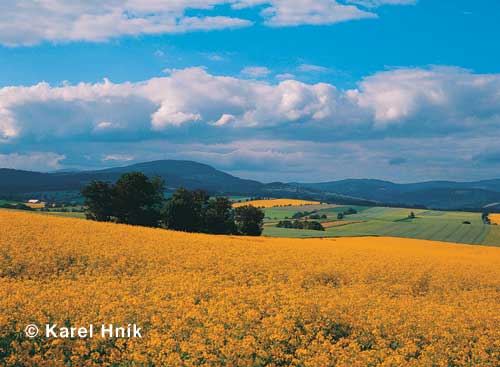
x=447 y=195
x=432 y=194
x=65 y=185
x=191 y=175
x=205 y=300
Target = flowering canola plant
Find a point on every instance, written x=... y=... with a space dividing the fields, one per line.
x=495 y=218
x=271 y=203
x=206 y=300
x=36 y=205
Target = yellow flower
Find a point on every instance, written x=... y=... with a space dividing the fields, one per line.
x=206 y=300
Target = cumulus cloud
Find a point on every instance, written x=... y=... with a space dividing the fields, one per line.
x=308 y=68
x=186 y=96
x=29 y=22
x=431 y=98
x=256 y=71
x=311 y=12
x=376 y=3
x=285 y=76
x=35 y=161
x=434 y=101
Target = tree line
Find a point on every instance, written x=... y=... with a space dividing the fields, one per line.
x=297 y=224
x=136 y=199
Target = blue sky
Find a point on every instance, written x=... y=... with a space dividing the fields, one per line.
x=268 y=89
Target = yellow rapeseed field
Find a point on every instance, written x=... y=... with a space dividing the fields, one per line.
x=36 y=205
x=495 y=218
x=235 y=301
x=275 y=203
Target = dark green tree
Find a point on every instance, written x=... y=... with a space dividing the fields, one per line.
x=249 y=220
x=350 y=211
x=183 y=212
x=138 y=200
x=219 y=217
x=314 y=226
x=98 y=201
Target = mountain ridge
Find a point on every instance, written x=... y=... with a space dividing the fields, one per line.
x=451 y=195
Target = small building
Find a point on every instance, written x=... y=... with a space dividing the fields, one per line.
x=34 y=201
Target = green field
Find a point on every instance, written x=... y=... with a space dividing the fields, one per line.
x=374 y=221
x=65 y=214
x=394 y=222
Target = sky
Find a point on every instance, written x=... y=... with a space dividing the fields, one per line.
x=274 y=90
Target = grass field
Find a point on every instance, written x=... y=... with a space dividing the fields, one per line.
x=65 y=214
x=237 y=301
x=394 y=222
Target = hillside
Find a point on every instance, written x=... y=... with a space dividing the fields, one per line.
x=191 y=175
x=214 y=300
x=176 y=173
x=447 y=195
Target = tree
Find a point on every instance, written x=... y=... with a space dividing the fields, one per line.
x=98 y=201
x=350 y=211
x=284 y=224
x=412 y=215
x=134 y=199
x=297 y=224
x=249 y=220
x=183 y=211
x=340 y=216
x=137 y=200
x=219 y=217
x=314 y=226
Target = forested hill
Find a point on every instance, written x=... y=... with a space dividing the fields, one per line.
x=431 y=194
x=193 y=175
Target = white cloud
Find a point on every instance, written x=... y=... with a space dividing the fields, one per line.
x=285 y=76
x=37 y=161
x=29 y=22
x=105 y=125
x=435 y=100
x=256 y=71
x=309 y=68
x=431 y=97
x=214 y=57
x=376 y=3
x=312 y=12
x=118 y=158
x=224 y=120
x=186 y=96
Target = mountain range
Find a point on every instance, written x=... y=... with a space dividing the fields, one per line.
x=447 y=195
